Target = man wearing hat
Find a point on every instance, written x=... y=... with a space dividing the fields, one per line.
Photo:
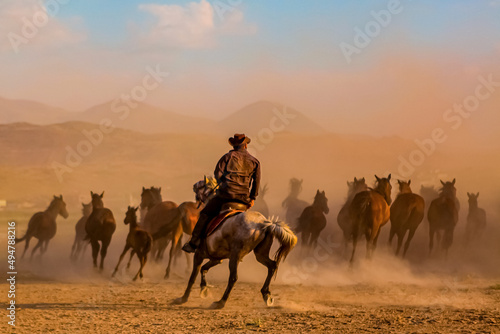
x=238 y=175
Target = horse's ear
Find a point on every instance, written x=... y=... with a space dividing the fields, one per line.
x=348 y=183
x=409 y=182
x=399 y=182
x=442 y=182
x=91 y=193
x=55 y=196
x=378 y=179
x=135 y=209
x=101 y=195
x=60 y=197
x=205 y=179
x=143 y=189
x=323 y=193
x=363 y=179
x=317 y=192
x=355 y=179
x=477 y=195
x=389 y=177
x=453 y=182
x=159 y=189
x=468 y=194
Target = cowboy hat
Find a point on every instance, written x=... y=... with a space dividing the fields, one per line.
x=239 y=139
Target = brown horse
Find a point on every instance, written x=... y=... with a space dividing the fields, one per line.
x=293 y=205
x=139 y=240
x=100 y=226
x=42 y=226
x=312 y=221
x=344 y=218
x=369 y=211
x=80 y=245
x=234 y=239
x=260 y=203
x=159 y=214
x=407 y=213
x=476 y=220
x=443 y=216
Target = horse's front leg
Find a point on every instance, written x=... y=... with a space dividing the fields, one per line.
x=206 y=267
x=233 y=277
x=95 y=251
x=197 y=261
x=125 y=250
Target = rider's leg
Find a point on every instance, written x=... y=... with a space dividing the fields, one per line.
x=210 y=211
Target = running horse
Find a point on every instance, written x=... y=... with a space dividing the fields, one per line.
x=312 y=220
x=42 y=225
x=100 y=226
x=80 y=245
x=236 y=237
x=476 y=220
x=443 y=216
x=407 y=212
x=369 y=211
x=344 y=218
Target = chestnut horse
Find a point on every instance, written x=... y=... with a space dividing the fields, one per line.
x=159 y=214
x=312 y=221
x=139 y=240
x=80 y=245
x=100 y=226
x=476 y=220
x=344 y=218
x=443 y=216
x=234 y=239
x=42 y=226
x=407 y=213
x=369 y=211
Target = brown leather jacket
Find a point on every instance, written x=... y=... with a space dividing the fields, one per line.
x=238 y=174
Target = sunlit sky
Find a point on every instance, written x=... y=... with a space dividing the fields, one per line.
x=225 y=54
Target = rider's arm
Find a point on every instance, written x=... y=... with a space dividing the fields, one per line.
x=220 y=168
x=254 y=192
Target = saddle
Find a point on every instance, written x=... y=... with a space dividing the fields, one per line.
x=228 y=210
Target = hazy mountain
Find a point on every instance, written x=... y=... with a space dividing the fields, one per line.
x=258 y=118
x=12 y=111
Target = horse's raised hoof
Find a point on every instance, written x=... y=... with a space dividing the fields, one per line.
x=218 y=305
x=204 y=292
x=179 y=301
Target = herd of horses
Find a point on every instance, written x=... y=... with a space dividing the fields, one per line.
x=365 y=211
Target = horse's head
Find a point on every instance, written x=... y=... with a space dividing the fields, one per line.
x=86 y=209
x=59 y=206
x=97 y=202
x=131 y=216
x=428 y=192
x=357 y=186
x=473 y=199
x=404 y=187
x=205 y=189
x=156 y=192
x=448 y=189
x=321 y=201
x=384 y=188
x=148 y=198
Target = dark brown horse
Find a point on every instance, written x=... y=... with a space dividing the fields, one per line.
x=369 y=211
x=233 y=240
x=80 y=245
x=293 y=205
x=443 y=216
x=476 y=220
x=138 y=240
x=100 y=226
x=312 y=221
x=42 y=225
x=159 y=214
x=407 y=213
x=344 y=218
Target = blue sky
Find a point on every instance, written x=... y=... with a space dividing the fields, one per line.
x=285 y=50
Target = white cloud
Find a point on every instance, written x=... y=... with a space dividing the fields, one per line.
x=194 y=25
x=26 y=23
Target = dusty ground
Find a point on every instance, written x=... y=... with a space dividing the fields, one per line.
x=467 y=305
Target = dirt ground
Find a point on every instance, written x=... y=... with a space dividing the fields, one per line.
x=97 y=304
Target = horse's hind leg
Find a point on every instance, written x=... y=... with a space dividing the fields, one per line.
x=142 y=258
x=132 y=253
x=197 y=261
x=407 y=244
x=262 y=255
x=401 y=236
x=104 y=251
x=95 y=251
x=45 y=246
x=431 y=239
x=233 y=277
x=206 y=267
x=38 y=245
x=26 y=246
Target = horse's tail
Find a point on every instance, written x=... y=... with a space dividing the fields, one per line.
x=286 y=238
x=28 y=234
x=358 y=214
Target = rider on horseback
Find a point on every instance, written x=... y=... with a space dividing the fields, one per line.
x=238 y=176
